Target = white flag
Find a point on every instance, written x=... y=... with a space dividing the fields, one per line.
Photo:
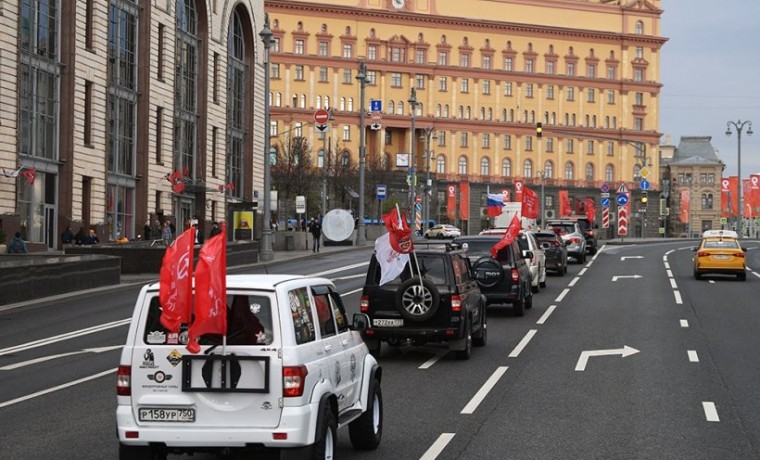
x=391 y=262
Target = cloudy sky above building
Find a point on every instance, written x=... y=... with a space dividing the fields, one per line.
x=711 y=75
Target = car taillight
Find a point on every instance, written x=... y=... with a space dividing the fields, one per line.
x=123 y=381
x=364 y=304
x=456 y=303
x=575 y=240
x=739 y=254
x=515 y=275
x=703 y=254
x=293 y=380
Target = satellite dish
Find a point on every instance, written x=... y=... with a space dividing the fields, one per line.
x=337 y=225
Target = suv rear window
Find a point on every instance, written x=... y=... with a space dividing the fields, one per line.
x=478 y=249
x=433 y=268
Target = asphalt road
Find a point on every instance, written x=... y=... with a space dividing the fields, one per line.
x=551 y=384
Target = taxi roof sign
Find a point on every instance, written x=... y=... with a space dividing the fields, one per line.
x=720 y=234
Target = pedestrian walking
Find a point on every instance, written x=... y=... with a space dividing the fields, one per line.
x=17 y=244
x=315 y=228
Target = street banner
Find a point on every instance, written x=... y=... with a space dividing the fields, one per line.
x=451 y=202
x=564 y=204
x=464 y=200
x=529 y=204
x=518 y=190
x=684 y=206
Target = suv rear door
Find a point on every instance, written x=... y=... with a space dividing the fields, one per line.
x=166 y=377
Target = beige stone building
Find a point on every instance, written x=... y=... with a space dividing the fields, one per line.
x=104 y=100
x=485 y=74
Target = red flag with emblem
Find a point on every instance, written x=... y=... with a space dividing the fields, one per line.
x=176 y=282
x=530 y=203
x=509 y=236
x=590 y=206
x=210 y=291
x=399 y=232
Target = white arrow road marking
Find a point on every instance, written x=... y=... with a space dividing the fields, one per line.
x=615 y=278
x=630 y=257
x=429 y=363
x=583 y=360
x=61 y=355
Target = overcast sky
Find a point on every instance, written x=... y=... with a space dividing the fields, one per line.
x=711 y=75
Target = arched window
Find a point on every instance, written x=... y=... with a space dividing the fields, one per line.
x=391 y=107
x=468 y=112
x=327 y=102
x=482 y=113
x=319 y=101
x=569 y=171
x=512 y=115
x=527 y=168
x=350 y=104
x=548 y=169
x=490 y=114
x=485 y=167
x=504 y=115
x=462 y=165
x=438 y=110
x=400 y=108
x=609 y=173
x=345 y=159
x=278 y=100
x=460 y=112
x=446 y=111
x=440 y=164
x=342 y=106
x=236 y=98
x=506 y=167
x=303 y=101
x=589 y=171
x=639 y=28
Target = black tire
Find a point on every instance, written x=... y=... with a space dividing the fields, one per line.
x=325 y=440
x=583 y=258
x=374 y=346
x=697 y=275
x=140 y=453
x=417 y=301
x=529 y=302
x=467 y=351
x=741 y=276
x=367 y=430
x=480 y=338
x=518 y=306
x=535 y=289
x=486 y=265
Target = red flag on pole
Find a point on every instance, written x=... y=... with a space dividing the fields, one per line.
x=30 y=175
x=509 y=236
x=210 y=290
x=529 y=204
x=399 y=232
x=564 y=204
x=590 y=206
x=176 y=282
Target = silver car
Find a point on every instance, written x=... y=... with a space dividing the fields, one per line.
x=571 y=234
x=443 y=231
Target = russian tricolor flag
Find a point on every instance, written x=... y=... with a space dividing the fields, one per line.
x=495 y=203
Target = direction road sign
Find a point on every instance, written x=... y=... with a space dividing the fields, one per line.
x=605 y=202
x=321 y=116
x=644 y=184
x=622 y=199
x=321 y=128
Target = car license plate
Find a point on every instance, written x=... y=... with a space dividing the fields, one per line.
x=721 y=257
x=387 y=322
x=161 y=414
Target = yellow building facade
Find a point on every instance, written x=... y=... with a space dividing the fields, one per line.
x=484 y=74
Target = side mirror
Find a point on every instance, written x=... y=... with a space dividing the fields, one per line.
x=360 y=322
x=527 y=254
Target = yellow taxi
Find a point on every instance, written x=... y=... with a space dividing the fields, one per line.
x=720 y=252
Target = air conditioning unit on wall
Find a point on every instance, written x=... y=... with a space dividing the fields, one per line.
x=549 y=213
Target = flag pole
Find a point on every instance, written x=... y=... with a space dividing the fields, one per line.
x=416 y=262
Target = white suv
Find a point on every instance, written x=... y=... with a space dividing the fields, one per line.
x=290 y=373
x=527 y=242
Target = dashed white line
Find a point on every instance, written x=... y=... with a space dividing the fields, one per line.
x=583 y=270
x=684 y=323
x=711 y=281
x=670 y=273
x=562 y=295
x=575 y=280
x=673 y=283
x=523 y=343
x=711 y=413
x=435 y=450
x=678 y=297
x=667 y=265
x=66 y=336
x=483 y=392
x=59 y=387
x=693 y=357
x=429 y=363
x=546 y=314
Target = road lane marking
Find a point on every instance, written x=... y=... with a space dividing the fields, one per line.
x=546 y=314
x=678 y=297
x=523 y=343
x=669 y=272
x=684 y=323
x=66 y=336
x=711 y=413
x=340 y=269
x=60 y=355
x=586 y=354
x=673 y=283
x=575 y=280
x=711 y=281
x=582 y=272
x=667 y=265
x=562 y=295
x=54 y=389
x=435 y=450
x=693 y=357
x=429 y=363
x=483 y=392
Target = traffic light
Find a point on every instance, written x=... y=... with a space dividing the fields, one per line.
x=539 y=130
x=644 y=198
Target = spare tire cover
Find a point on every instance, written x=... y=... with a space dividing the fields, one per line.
x=488 y=272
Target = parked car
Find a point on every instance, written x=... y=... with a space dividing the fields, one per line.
x=554 y=250
x=720 y=255
x=291 y=371
x=444 y=306
x=571 y=234
x=535 y=257
x=443 y=231
x=503 y=280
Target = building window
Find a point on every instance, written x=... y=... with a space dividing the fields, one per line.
x=372 y=52
x=591 y=95
x=465 y=85
x=443 y=58
x=506 y=167
x=551 y=67
x=420 y=56
x=529 y=65
x=486 y=86
x=486 y=141
x=610 y=96
x=570 y=69
x=160 y=134
x=419 y=81
x=442 y=83
x=609 y=173
x=638 y=124
x=486 y=62
x=570 y=146
x=591 y=71
x=638 y=74
x=527 y=168
x=589 y=171
x=274 y=71
x=298 y=130
x=236 y=97
x=299 y=73
x=323 y=74
x=463 y=140
x=508 y=88
x=508 y=62
x=275 y=44
x=549 y=143
x=485 y=167
x=639 y=52
x=396 y=79
x=529 y=143
x=464 y=60
x=639 y=28
x=570 y=91
x=324 y=48
x=398 y=54
x=529 y=90
x=87 y=113
x=348 y=51
x=388 y=136
x=372 y=77
x=639 y=99
x=346 y=133
x=590 y=147
x=441 y=138
x=347 y=77
x=611 y=74
x=440 y=164
x=548 y=169
x=462 y=165
x=507 y=142
x=298 y=46
x=569 y=171
x=160 y=51
x=610 y=148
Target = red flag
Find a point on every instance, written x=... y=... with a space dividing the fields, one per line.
x=399 y=231
x=509 y=236
x=30 y=174
x=176 y=282
x=210 y=291
x=177 y=181
x=529 y=204
x=564 y=204
x=590 y=206
x=754 y=181
x=451 y=203
x=733 y=194
x=725 y=201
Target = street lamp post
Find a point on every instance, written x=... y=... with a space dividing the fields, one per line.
x=361 y=239
x=413 y=163
x=428 y=184
x=325 y=164
x=542 y=175
x=266 y=232
x=739 y=126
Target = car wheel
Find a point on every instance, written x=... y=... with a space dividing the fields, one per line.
x=518 y=306
x=592 y=250
x=140 y=453
x=583 y=257
x=529 y=302
x=374 y=346
x=741 y=276
x=466 y=352
x=417 y=300
x=325 y=440
x=484 y=268
x=697 y=275
x=535 y=288
x=479 y=338
x=367 y=430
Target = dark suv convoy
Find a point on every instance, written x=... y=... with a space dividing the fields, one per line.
x=446 y=305
x=505 y=279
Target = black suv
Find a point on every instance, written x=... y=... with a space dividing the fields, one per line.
x=445 y=305
x=504 y=280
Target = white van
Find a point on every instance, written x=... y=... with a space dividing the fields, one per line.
x=290 y=372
